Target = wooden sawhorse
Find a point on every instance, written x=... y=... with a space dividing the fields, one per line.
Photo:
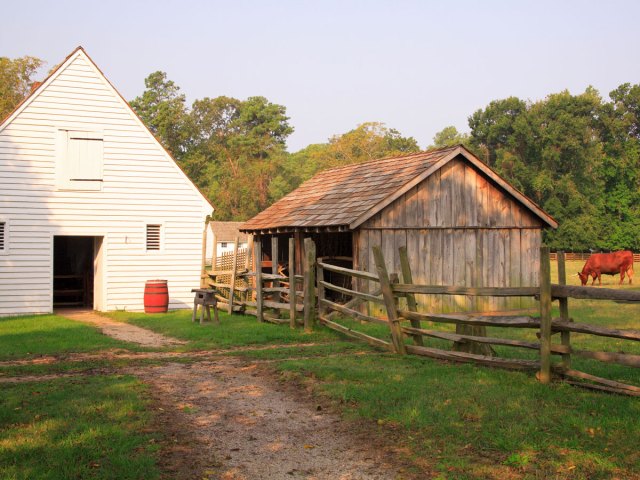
x=205 y=297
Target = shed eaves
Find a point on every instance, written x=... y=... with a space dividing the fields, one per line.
x=339 y=196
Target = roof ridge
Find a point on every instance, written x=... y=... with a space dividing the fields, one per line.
x=393 y=157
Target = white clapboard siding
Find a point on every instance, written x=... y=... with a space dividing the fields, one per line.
x=141 y=185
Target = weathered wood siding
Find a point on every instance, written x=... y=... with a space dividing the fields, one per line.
x=459 y=229
x=141 y=184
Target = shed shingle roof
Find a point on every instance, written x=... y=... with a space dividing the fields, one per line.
x=339 y=196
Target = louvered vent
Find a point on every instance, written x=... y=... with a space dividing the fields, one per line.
x=3 y=236
x=153 y=237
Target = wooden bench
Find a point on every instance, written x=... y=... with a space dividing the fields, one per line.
x=206 y=298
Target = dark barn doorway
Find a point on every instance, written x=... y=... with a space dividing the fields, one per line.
x=73 y=271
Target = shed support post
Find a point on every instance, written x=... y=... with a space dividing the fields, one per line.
x=258 y=261
x=274 y=269
x=389 y=302
x=234 y=269
x=203 y=270
x=309 y=263
x=292 y=283
x=544 y=376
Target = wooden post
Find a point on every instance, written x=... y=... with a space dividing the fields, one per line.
x=407 y=277
x=248 y=261
x=387 y=295
x=203 y=271
x=545 y=316
x=309 y=265
x=214 y=253
x=234 y=269
x=274 y=268
x=565 y=337
x=322 y=310
x=292 y=283
x=258 y=260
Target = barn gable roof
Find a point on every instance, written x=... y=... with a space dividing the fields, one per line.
x=42 y=86
x=343 y=198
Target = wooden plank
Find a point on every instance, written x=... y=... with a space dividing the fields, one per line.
x=309 y=283
x=515 y=257
x=594 y=293
x=234 y=269
x=599 y=380
x=626 y=359
x=375 y=239
x=512 y=364
x=455 y=337
x=436 y=259
x=280 y=305
x=349 y=272
x=351 y=312
x=602 y=388
x=559 y=326
x=258 y=262
x=424 y=270
x=545 y=316
x=458 y=262
x=292 y=283
x=407 y=278
x=514 y=321
x=346 y=291
x=321 y=289
x=473 y=291
x=387 y=294
x=376 y=342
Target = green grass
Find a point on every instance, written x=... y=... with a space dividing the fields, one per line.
x=85 y=428
x=233 y=331
x=32 y=336
x=475 y=422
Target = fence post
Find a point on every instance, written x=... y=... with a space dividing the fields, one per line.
x=234 y=269
x=203 y=271
x=292 y=283
x=564 y=310
x=545 y=316
x=258 y=261
x=389 y=302
x=322 y=310
x=247 y=267
x=309 y=263
x=407 y=277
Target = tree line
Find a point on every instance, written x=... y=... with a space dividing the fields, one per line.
x=577 y=156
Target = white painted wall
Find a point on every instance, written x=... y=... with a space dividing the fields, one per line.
x=141 y=184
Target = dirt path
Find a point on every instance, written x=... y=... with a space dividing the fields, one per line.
x=120 y=330
x=228 y=420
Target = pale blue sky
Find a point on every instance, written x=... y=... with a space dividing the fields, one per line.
x=417 y=66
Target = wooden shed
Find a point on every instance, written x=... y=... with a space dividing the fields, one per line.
x=461 y=222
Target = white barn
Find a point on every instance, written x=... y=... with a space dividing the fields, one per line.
x=91 y=205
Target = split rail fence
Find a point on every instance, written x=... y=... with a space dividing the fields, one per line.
x=404 y=321
x=282 y=295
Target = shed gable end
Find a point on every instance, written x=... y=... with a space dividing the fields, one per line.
x=455 y=196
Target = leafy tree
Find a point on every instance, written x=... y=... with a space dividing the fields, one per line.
x=448 y=137
x=162 y=108
x=16 y=80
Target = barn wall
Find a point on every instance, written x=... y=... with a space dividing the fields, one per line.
x=459 y=229
x=141 y=184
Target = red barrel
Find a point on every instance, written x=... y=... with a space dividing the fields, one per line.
x=156 y=296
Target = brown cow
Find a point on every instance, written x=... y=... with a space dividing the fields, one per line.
x=608 y=263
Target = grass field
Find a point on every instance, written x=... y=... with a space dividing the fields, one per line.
x=87 y=428
x=28 y=337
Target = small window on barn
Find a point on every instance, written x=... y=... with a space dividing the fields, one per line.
x=3 y=237
x=153 y=237
x=223 y=245
x=81 y=160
